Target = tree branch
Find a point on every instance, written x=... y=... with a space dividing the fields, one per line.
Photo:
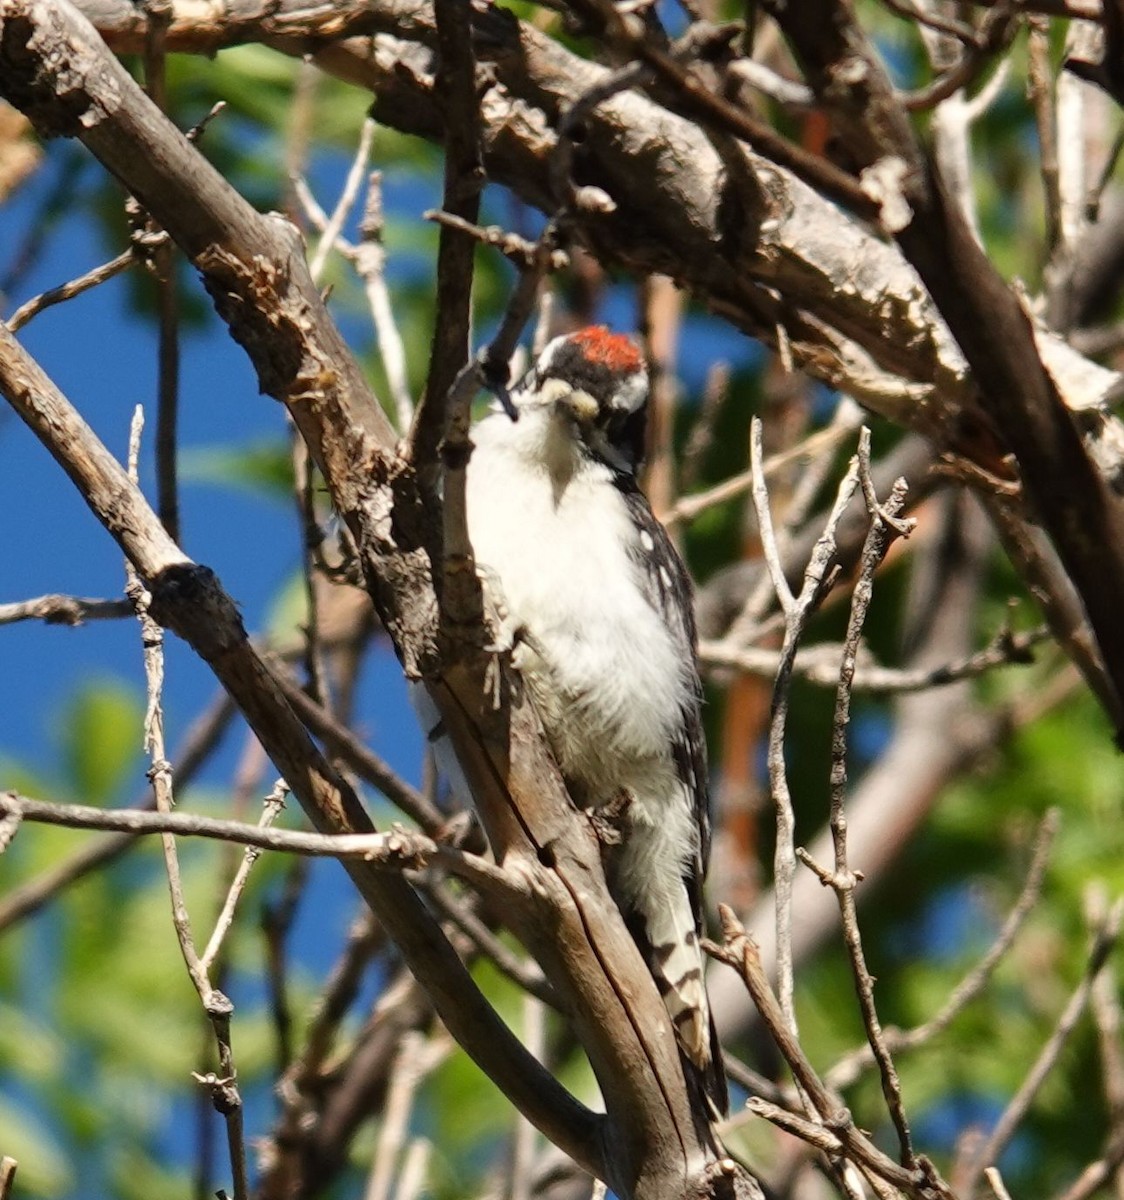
x=188 y=599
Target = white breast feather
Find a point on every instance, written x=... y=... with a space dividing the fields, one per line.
x=555 y=531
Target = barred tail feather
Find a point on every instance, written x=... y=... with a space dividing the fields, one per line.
x=669 y=939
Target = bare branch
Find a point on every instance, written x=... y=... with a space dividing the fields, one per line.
x=1103 y=945
x=200 y=742
x=346 y=202
x=8 y=1167
x=398 y=850
x=848 y=1069
x=272 y=807
x=369 y=258
x=798 y=610
x=842 y=879
x=987 y=318
x=739 y=952
x=818 y=664
x=144 y=243
x=64 y=610
x=415 y=1057
x=225 y=1095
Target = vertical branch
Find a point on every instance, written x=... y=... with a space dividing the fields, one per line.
x=8 y=1167
x=526 y=1135
x=305 y=488
x=661 y=313
x=797 y=611
x=370 y=260
x=415 y=1058
x=223 y=1089
x=1072 y=135
x=167 y=409
x=843 y=879
x=298 y=132
x=1040 y=88
x=346 y=202
x=159 y=14
x=464 y=178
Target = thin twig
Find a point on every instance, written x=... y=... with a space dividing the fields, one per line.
x=516 y=249
x=297 y=1079
x=524 y=974
x=146 y=242
x=396 y=849
x=274 y=804
x=848 y=1069
x=438 y=438
x=369 y=257
x=716 y=391
x=416 y=1057
x=358 y=757
x=159 y=17
x=798 y=610
x=56 y=609
x=276 y=920
x=848 y=417
x=777 y=87
x=702 y=104
x=1098 y=1173
x=346 y=202
x=8 y=1167
x=526 y=1136
x=843 y=879
x=299 y=128
x=1105 y=1007
x=769 y=547
x=661 y=313
x=812 y=1132
x=1104 y=1004
x=819 y=664
x=1016 y=1110
x=223 y=1088
x=757 y=1084
x=962 y=33
x=168 y=388
x=160 y=773
x=824 y=1109
x=304 y=489
x=1040 y=91
x=995 y=1182
x=567 y=194
x=993 y=34
x=415 y=1164
x=1104 y=178
x=198 y=745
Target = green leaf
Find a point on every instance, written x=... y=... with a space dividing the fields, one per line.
x=27 y=1047
x=264 y=467
x=43 y=1169
x=102 y=735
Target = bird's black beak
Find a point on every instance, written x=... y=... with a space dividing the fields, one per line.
x=500 y=391
x=495 y=376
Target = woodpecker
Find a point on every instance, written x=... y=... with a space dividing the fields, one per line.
x=590 y=579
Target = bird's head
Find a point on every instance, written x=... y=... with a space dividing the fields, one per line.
x=597 y=381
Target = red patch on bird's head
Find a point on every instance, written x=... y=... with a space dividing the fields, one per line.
x=613 y=351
